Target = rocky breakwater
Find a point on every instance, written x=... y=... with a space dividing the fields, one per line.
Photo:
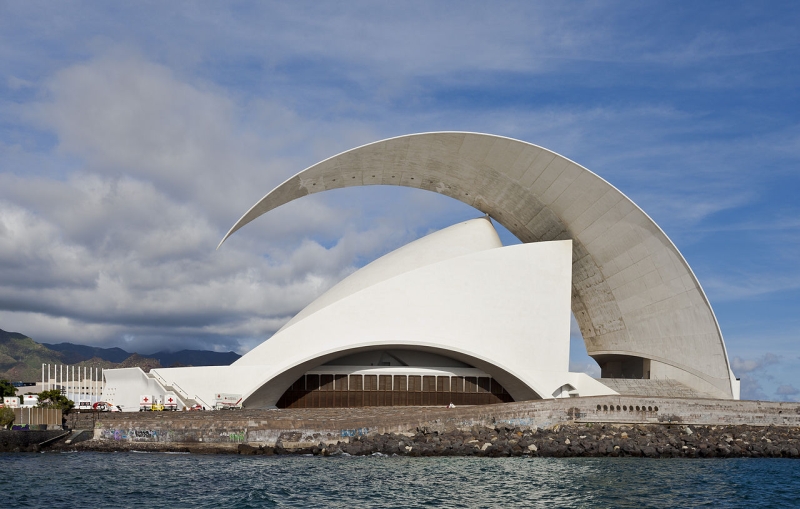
x=585 y=440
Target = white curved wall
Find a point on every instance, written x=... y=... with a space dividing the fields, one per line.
x=480 y=305
x=459 y=239
x=633 y=293
x=456 y=292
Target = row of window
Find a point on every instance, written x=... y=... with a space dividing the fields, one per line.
x=403 y=383
x=347 y=391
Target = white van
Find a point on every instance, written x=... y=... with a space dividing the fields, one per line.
x=11 y=402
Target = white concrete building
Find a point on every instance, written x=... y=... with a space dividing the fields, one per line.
x=456 y=313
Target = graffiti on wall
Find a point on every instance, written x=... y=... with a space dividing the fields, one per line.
x=354 y=432
x=233 y=436
x=523 y=422
x=130 y=434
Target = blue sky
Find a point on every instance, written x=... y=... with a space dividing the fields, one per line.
x=133 y=135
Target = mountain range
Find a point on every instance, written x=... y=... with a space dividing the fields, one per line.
x=21 y=357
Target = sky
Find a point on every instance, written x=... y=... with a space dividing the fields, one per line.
x=133 y=135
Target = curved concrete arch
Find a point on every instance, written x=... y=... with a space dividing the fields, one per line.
x=633 y=293
x=267 y=392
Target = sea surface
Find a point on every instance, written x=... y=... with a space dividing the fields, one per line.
x=182 y=480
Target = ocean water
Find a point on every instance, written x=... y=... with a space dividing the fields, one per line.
x=183 y=480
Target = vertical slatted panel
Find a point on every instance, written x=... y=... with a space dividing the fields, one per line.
x=414 y=390
x=38 y=416
x=356 y=394
x=326 y=391
x=370 y=390
x=400 y=391
x=428 y=390
x=443 y=390
x=385 y=388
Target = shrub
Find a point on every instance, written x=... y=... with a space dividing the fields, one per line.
x=6 y=417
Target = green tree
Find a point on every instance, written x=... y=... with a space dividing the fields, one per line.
x=6 y=389
x=6 y=417
x=54 y=399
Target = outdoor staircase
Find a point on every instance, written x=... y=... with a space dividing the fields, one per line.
x=79 y=435
x=182 y=395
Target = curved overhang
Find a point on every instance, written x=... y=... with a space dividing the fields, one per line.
x=633 y=293
x=269 y=390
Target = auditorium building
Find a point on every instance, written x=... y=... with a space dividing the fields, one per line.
x=456 y=317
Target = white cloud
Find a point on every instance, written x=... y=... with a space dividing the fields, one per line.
x=15 y=83
x=742 y=366
x=123 y=245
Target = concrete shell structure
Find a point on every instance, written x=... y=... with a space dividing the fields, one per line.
x=454 y=304
x=640 y=308
x=458 y=305
x=456 y=293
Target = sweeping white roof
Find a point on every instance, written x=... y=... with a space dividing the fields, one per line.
x=633 y=293
x=457 y=293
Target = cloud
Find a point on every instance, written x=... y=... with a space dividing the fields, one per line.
x=15 y=83
x=750 y=388
x=743 y=366
x=121 y=247
x=787 y=392
x=752 y=373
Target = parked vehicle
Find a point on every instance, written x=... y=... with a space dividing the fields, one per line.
x=228 y=401
x=170 y=401
x=30 y=400
x=11 y=402
x=104 y=406
x=158 y=404
x=145 y=402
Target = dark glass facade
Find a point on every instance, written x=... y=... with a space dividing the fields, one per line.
x=349 y=391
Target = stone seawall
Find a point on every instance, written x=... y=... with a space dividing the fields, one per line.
x=300 y=428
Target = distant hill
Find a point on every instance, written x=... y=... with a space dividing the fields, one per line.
x=79 y=353
x=21 y=357
x=72 y=353
x=196 y=358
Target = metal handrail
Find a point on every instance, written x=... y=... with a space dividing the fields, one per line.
x=197 y=398
x=159 y=378
x=181 y=391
